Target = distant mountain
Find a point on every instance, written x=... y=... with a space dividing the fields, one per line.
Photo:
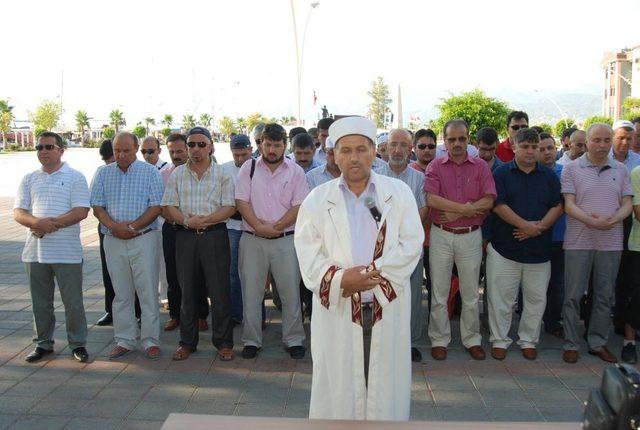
x=575 y=106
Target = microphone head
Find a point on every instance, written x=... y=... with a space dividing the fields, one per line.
x=369 y=202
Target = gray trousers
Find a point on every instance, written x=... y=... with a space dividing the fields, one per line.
x=417 y=318
x=258 y=256
x=578 y=266
x=42 y=285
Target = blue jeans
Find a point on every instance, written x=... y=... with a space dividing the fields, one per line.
x=236 y=290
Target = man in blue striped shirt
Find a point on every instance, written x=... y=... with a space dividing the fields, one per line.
x=126 y=197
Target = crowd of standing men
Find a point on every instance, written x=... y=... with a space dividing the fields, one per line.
x=557 y=231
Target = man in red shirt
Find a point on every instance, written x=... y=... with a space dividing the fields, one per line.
x=460 y=192
x=515 y=121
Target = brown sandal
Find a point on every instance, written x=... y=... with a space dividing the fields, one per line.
x=226 y=354
x=182 y=353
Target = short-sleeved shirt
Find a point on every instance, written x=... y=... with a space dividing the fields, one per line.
x=530 y=196
x=271 y=194
x=561 y=224
x=504 y=151
x=415 y=181
x=631 y=162
x=199 y=196
x=127 y=195
x=231 y=168
x=318 y=176
x=45 y=195
x=461 y=183
x=634 y=237
x=597 y=190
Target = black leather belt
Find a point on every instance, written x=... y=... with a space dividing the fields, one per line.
x=219 y=226
x=286 y=233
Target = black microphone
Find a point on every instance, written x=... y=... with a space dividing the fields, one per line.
x=370 y=203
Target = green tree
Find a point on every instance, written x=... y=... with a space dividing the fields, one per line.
x=476 y=108
x=188 y=121
x=631 y=108
x=109 y=133
x=254 y=119
x=546 y=127
x=46 y=116
x=594 y=119
x=241 y=125
x=380 y=102
x=165 y=131
x=227 y=126
x=562 y=125
x=206 y=120
x=147 y=122
x=116 y=119
x=6 y=118
x=140 y=131
x=167 y=120
x=82 y=123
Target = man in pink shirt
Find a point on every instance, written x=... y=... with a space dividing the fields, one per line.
x=269 y=192
x=460 y=192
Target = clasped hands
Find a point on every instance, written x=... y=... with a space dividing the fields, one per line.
x=467 y=210
x=357 y=279
x=267 y=230
x=46 y=225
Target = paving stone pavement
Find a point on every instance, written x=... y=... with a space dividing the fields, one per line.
x=135 y=393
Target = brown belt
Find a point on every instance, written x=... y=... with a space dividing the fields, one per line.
x=458 y=230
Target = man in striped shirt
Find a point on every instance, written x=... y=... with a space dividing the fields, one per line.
x=51 y=202
x=597 y=193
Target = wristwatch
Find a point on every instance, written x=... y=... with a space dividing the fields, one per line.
x=130 y=227
x=185 y=222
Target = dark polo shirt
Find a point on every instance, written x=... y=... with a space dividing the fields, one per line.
x=530 y=196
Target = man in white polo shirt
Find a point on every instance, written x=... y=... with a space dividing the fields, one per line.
x=51 y=202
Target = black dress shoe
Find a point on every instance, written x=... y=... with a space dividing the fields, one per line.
x=37 y=354
x=81 y=354
x=416 y=355
x=107 y=319
x=296 y=352
x=250 y=352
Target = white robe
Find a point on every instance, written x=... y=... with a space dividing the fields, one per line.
x=322 y=240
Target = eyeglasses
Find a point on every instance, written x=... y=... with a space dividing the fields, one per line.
x=517 y=127
x=200 y=144
x=147 y=151
x=48 y=147
x=423 y=146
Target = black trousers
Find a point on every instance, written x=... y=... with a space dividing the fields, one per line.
x=174 y=292
x=624 y=288
x=109 y=294
x=210 y=253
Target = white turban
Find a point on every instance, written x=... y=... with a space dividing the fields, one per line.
x=352 y=125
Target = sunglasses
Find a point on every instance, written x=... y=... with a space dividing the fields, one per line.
x=518 y=127
x=423 y=146
x=147 y=151
x=48 y=147
x=258 y=141
x=200 y=144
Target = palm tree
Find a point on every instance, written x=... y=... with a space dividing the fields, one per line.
x=147 y=122
x=82 y=122
x=206 y=120
x=241 y=124
x=6 y=117
x=167 y=120
x=188 y=121
x=116 y=118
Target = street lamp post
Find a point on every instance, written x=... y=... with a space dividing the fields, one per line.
x=300 y=50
